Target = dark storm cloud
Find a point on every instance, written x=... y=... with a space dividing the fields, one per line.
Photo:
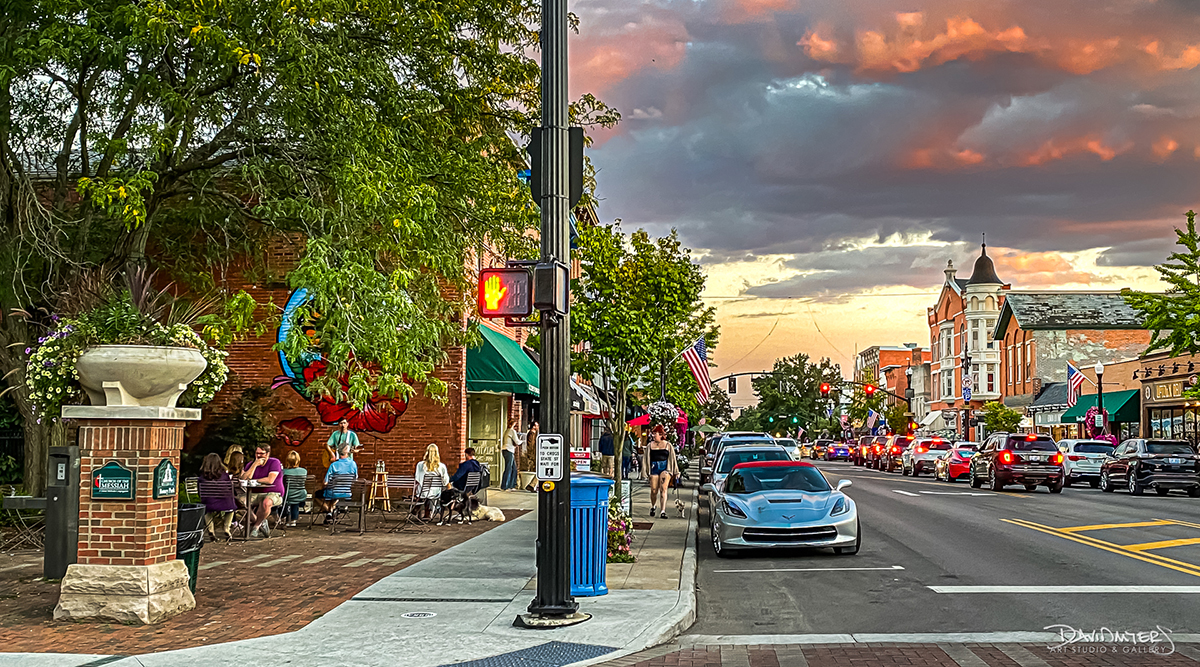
x=1051 y=128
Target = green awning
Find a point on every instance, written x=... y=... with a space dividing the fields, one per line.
x=1124 y=407
x=500 y=366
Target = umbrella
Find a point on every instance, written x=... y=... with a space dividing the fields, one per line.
x=707 y=428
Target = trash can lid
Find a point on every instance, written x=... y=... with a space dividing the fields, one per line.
x=586 y=479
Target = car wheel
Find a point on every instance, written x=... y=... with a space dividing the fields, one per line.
x=716 y=542
x=904 y=470
x=1106 y=483
x=994 y=482
x=1095 y=483
x=1031 y=487
x=1194 y=492
x=975 y=483
x=1161 y=491
x=1135 y=489
x=1066 y=482
x=1055 y=488
x=852 y=550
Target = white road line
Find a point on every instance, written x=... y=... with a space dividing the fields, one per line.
x=277 y=561
x=962 y=656
x=17 y=567
x=209 y=566
x=906 y=493
x=954 y=493
x=1065 y=589
x=321 y=559
x=254 y=558
x=819 y=569
x=1022 y=656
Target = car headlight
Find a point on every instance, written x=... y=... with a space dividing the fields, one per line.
x=840 y=507
x=732 y=510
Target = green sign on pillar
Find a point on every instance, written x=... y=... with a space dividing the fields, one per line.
x=166 y=480
x=112 y=482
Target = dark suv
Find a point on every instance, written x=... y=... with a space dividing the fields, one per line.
x=1159 y=464
x=891 y=452
x=1017 y=458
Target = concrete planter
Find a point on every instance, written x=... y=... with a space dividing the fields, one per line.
x=138 y=375
x=525 y=479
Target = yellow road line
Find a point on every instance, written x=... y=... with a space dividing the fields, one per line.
x=1106 y=526
x=1148 y=546
x=1153 y=559
x=1177 y=522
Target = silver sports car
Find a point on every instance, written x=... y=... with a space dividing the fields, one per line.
x=768 y=504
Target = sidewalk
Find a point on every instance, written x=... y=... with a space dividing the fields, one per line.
x=459 y=605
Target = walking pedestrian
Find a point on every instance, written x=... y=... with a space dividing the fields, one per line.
x=627 y=456
x=661 y=467
x=511 y=440
x=607 y=453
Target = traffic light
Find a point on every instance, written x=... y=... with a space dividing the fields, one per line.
x=825 y=388
x=505 y=293
x=795 y=420
x=870 y=389
x=771 y=419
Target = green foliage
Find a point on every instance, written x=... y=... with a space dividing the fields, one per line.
x=251 y=422
x=794 y=390
x=862 y=403
x=10 y=470
x=718 y=410
x=1174 y=316
x=638 y=305
x=998 y=418
x=896 y=417
x=620 y=533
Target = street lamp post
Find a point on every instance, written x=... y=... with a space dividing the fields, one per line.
x=1100 y=397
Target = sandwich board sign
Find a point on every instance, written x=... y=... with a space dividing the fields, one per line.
x=166 y=479
x=112 y=482
x=550 y=457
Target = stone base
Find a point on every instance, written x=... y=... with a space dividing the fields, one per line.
x=138 y=594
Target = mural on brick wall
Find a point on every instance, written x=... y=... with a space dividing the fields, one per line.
x=378 y=415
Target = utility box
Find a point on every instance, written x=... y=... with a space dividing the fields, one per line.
x=62 y=512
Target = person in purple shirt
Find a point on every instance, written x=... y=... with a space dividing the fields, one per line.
x=268 y=472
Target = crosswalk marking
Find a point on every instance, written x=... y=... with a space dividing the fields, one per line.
x=254 y=558
x=277 y=561
x=906 y=493
x=17 y=567
x=209 y=566
x=321 y=559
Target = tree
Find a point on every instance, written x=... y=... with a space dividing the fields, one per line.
x=792 y=389
x=999 y=418
x=862 y=403
x=718 y=411
x=1173 y=317
x=897 y=417
x=637 y=298
x=186 y=135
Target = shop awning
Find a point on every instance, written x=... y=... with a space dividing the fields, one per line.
x=929 y=418
x=1124 y=407
x=584 y=399
x=500 y=366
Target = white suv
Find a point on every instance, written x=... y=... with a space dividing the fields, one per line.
x=922 y=455
x=1082 y=460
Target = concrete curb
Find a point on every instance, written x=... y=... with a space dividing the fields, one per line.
x=682 y=615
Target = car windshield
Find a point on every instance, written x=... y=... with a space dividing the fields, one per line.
x=1169 y=448
x=776 y=478
x=1026 y=445
x=1093 y=448
x=734 y=457
x=747 y=440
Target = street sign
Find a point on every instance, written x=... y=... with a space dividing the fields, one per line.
x=968 y=383
x=112 y=482
x=966 y=393
x=550 y=457
x=166 y=479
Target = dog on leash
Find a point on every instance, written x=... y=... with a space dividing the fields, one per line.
x=679 y=506
x=456 y=503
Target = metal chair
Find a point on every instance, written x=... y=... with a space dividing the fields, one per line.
x=191 y=489
x=425 y=493
x=218 y=490
x=470 y=488
x=339 y=492
x=357 y=500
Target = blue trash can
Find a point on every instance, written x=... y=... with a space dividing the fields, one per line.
x=589 y=534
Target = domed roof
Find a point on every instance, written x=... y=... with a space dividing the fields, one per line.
x=985 y=270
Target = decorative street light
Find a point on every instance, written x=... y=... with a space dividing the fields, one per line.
x=1101 y=422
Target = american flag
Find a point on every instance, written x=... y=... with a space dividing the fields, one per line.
x=1074 y=384
x=871 y=417
x=696 y=357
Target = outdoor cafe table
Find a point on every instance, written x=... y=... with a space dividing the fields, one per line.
x=248 y=485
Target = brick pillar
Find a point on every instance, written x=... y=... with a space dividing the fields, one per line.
x=126 y=569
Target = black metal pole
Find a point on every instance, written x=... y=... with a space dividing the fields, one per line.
x=1100 y=402
x=553 y=600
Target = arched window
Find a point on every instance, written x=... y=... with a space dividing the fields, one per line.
x=974 y=303
x=989 y=304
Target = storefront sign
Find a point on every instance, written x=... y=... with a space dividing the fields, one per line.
x=112 y=482
x=165 y=479
x=1164 y=391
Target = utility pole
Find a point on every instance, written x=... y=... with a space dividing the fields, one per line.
x=553 y=605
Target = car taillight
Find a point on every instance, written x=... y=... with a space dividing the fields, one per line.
x=922 y=450
x=1005 y=456
x=1057 y=458
x=1076 y=457
x=895 y=450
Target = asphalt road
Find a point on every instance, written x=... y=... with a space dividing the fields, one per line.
x=920 y=535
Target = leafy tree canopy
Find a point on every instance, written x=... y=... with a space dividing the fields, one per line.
x=793 y=389
x=999 y=418
x=1174 y=316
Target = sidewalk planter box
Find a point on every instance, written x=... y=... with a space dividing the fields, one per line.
x=589 y=534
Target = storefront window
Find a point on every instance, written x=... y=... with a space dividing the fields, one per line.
x=1175 y=424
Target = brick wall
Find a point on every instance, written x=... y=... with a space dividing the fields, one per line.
x=136 y=532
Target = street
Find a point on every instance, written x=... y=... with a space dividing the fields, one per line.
x=940 y=557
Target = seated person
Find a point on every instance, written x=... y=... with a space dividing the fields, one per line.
x=268 y=472
x=469 y=465
x=328 y=497
x=217 y=505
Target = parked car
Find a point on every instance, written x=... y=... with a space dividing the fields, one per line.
x=722 y=440
x=732 y=456
x=782 y=504
x=891 y=456
x=818 y=449
x=859 y=453
x=791 y=446
x=922 y=455
x=1163 y=465
x=1083 y=460
x=956 y=462
x=1016 y=458
x=877 y=453
x=838 y=451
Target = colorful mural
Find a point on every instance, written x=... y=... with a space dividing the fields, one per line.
x=378 y=415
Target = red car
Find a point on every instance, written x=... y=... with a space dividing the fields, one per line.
x=956 y=462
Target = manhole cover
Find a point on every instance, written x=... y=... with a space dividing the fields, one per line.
x=418 y=614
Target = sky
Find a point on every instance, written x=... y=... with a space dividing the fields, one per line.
x=826 y=158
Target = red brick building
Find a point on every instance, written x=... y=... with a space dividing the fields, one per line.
x=888 y=365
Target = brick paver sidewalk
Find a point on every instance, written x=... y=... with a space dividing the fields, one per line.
x=912 y=655
x=245 y=589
